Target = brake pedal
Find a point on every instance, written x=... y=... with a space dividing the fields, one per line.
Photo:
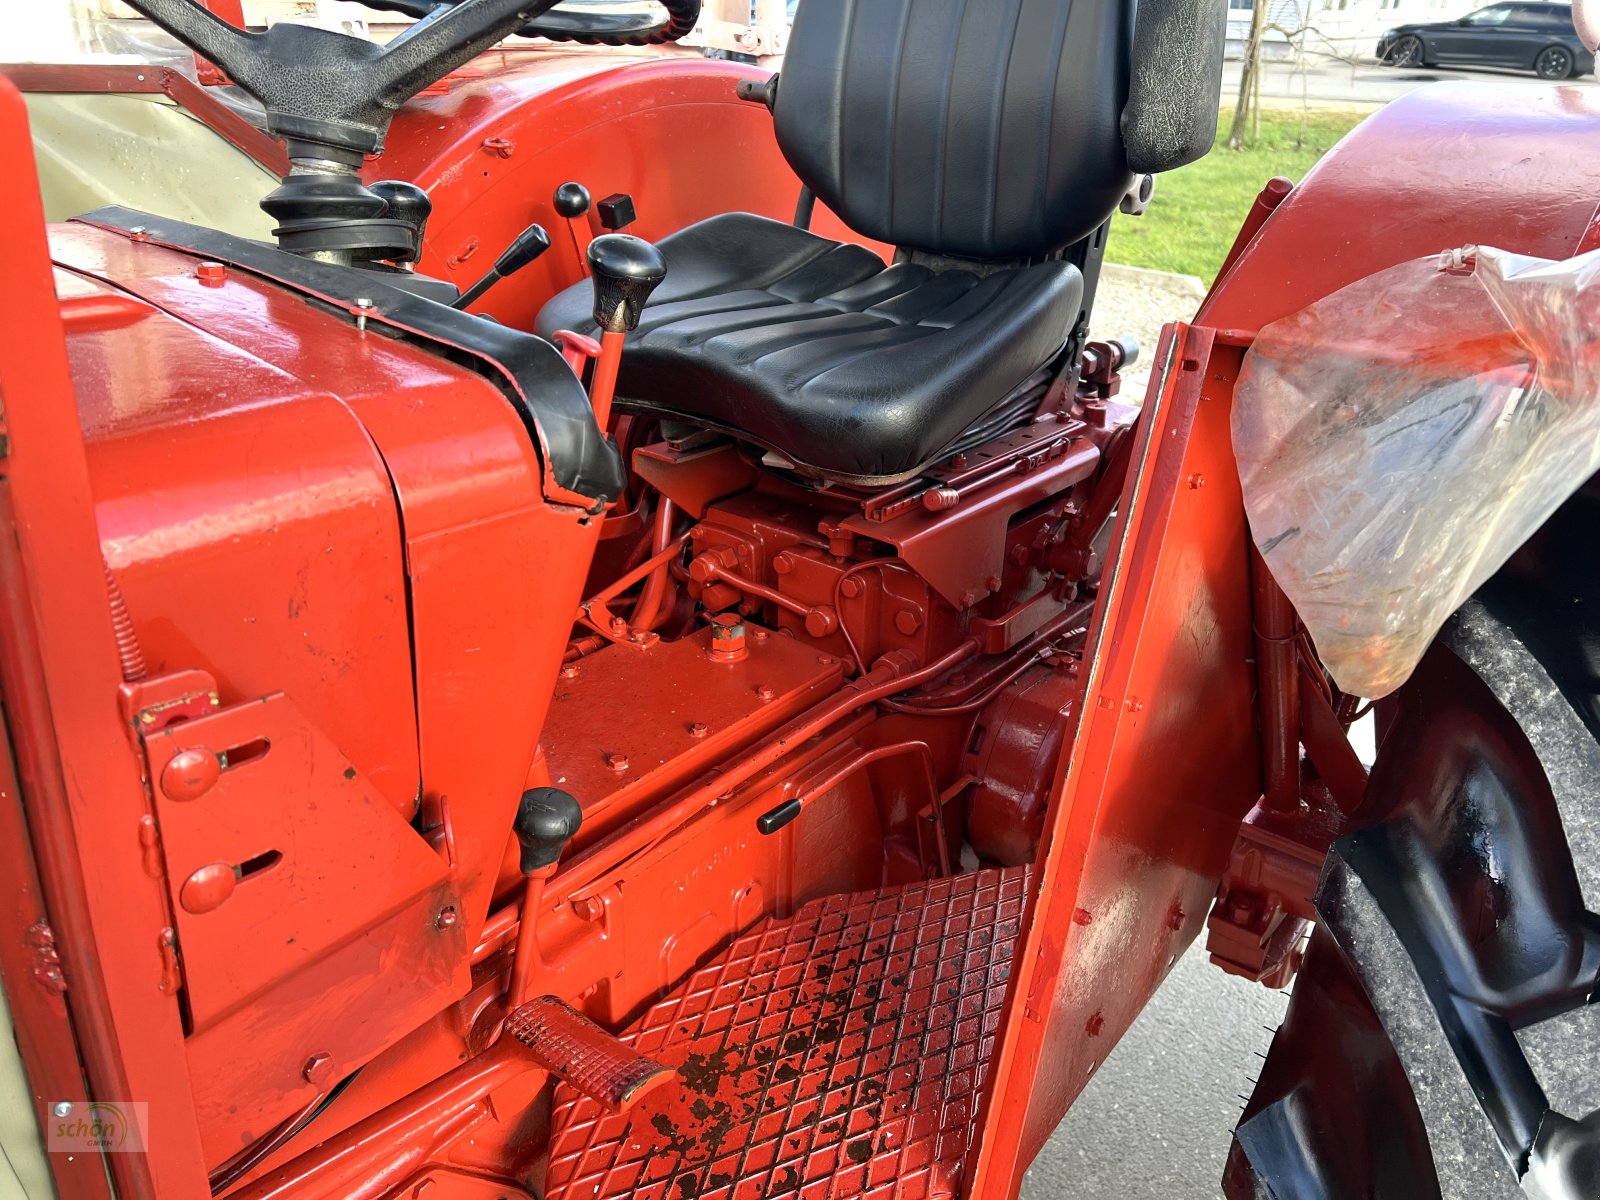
x=586 y=1057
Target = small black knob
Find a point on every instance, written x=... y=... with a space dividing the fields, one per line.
x=571 y=200
x=547 y=821
x=625 y=270
x=617 y=211
x=409 y=205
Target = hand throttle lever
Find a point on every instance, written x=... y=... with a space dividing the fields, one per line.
x=529 y=245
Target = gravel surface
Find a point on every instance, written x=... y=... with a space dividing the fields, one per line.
x=1138 y=302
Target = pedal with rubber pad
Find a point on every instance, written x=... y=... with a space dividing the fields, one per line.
x=587 y=1059
x=841 y=1052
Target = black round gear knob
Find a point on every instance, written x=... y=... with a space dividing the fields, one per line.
x=571 y=200
x=625 y=271
x=547 y=821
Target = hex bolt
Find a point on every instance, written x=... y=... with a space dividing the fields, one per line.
x=318 y=1069
x=617 y=762
x=212 y=274
x=61 y=1108
x=363 y=308
x=698 y=730
x=765 y=693
x=851 y=587
x=727 y=638
x=448 y=918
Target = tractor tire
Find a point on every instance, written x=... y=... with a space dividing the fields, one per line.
x=1407 y=51
x=1554 y=62
x=1441 y=1037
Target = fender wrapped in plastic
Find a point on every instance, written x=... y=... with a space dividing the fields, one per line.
x=1399 y=439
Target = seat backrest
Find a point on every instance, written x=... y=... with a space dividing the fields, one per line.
x=980 y=129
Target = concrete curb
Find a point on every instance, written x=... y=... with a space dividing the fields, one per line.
x=1187 y=286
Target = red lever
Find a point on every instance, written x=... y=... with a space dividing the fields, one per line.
x=576 y=348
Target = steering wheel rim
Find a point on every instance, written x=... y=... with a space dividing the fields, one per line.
x=585 y=28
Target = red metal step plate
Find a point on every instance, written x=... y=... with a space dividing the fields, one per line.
x=839 y=1053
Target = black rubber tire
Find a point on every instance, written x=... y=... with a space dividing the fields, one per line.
x=1554 y=62
x=1407 y=51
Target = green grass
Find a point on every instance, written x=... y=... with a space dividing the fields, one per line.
x=1198 y=209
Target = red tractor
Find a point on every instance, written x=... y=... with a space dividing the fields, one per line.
x=500 y=707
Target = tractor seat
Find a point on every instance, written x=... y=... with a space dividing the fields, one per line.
x=990 y=143
x=813 y=349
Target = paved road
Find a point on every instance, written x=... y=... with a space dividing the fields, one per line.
x=1156 y=1122
x=1328 y=84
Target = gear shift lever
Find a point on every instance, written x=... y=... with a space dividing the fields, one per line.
x=547 y=820
x=625 y=270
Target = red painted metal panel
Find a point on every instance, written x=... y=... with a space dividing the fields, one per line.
x=1165 y=764
x=474 y=531
x=217 y=472
x=1447 y=165
x=60 y=670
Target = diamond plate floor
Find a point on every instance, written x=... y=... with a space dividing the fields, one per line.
x=839 y=1053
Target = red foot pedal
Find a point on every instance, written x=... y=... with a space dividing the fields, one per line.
x=590 y=1061
x=840 y=1053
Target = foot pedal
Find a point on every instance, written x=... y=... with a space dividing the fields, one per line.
x=585 y=1057
x=839 y=1053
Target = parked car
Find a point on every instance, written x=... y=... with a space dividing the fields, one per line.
x=1523 y=36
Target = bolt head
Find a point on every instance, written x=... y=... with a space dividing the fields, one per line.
x=448 y=918
x=765 y=693
x=212 y=274
x=61 y=1108
x=570 y=671
x=190 y=773
x=698 y=730
x=318 y=1069
x=617 y=762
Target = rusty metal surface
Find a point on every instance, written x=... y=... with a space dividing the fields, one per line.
x=839 y=1053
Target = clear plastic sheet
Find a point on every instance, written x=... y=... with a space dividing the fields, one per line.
x=1399 y=439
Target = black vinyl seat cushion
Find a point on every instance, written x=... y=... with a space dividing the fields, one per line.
x=814 y=349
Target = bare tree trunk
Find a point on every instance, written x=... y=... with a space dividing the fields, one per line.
x=1244 y=111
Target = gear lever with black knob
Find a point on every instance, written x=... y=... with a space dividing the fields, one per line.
x=547 y=820
x=625 y=270
x=529 y=245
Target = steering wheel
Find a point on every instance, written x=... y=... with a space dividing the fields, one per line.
x=331 y=96
x=590 y=28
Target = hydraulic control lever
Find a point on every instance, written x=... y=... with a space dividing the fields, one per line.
x=528 y=245
x=547 y=820
x=572 y=203
x=625 y=270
